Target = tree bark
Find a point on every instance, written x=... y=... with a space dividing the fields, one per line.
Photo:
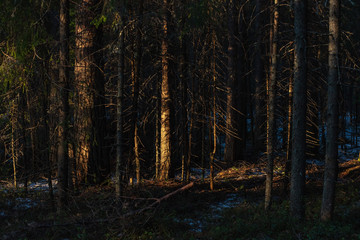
x=87 y=107
x=271 y=107
x=63 y=86
x=299 y=113
x=259 y=121
x=230 y=132
x=331 y=165
x=165 y=148
x=119 y=104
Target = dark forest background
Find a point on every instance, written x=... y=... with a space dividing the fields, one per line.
x=94 y=90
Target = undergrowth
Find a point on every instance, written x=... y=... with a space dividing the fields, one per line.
x=186 y=216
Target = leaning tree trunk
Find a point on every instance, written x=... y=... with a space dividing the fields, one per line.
x=327 y=206
x=271 y=107
x=165 y=150
x=299 y=113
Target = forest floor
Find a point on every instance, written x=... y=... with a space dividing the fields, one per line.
x=233 y=210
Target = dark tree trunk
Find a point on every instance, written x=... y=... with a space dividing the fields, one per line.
x=327 y=206
x=299 y=113
x=259 y=120
x=271 y=137
x=230 y=88
x=119 y=105
x=62 y=153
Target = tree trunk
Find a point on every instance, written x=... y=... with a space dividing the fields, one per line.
x=327 y=206
x=259 y=84
x=136 y=83
x=213 y=152
x=288 y=137
x=62 y=153
x=119 y=105
x=165 y=150
x=271 y=107
x=87 y=107
x=14 y=154
x=299 y=113
x=230 y=132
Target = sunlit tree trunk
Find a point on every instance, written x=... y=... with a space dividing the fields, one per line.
x=214 y=134
x=85 y=115
x=299 y=113
x=62 y=153
x=165 y=150
x=136 y=83
x=327 y=206
x=271 y=138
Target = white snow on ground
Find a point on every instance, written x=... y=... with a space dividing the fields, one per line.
x=41 y=185
x=231 y=201
x=197 y=225
x=24 y=203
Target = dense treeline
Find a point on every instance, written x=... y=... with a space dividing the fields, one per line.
x=151 y=89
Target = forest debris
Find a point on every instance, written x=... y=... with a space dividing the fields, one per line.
x=46 y=224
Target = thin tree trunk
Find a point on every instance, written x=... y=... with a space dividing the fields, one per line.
x=165 y=149
x=184 y=120
x=63 y=152
x=136 y=83
x=299 y=113
x=259 y=83
x=213 y=152
x=327 y=206
x=230 y=133
x=13 y=144
x=288 y=137
x=119 y=104
x=271 y=106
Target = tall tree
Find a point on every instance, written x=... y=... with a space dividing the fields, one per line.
x=271 y=105
x=62 y=153
x=136 y=82
x=259 y=126
x=119 y=101
x=230 y=87
x=165 y=146
x=87 y=85
x=327 y=206
x=299 y=112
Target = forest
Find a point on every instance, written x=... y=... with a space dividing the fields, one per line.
x=189 y=119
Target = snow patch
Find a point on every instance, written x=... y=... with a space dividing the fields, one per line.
x=231 y=201
x=24 y=204
x=41 y=185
